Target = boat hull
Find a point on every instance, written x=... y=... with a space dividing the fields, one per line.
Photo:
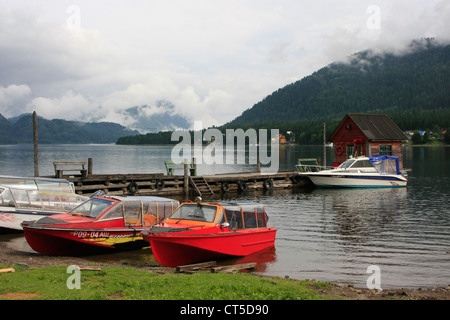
x=355 y=181
x=73 y=242
x=13 y=219
x=172 y=250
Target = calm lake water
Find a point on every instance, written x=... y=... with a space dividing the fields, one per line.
x=328 y=235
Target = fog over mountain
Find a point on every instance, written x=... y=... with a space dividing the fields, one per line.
x=93 y=60
x=160 y=117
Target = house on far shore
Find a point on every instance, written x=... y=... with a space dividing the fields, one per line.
x=367 y=135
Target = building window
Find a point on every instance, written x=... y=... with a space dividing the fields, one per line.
x=386 y=149
x=350 y=149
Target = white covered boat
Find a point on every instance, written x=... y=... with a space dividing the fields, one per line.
x=361 y=172
x=29 y=199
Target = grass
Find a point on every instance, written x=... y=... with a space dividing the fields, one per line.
x=50 y=283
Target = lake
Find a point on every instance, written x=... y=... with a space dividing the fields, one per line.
x=324 y=234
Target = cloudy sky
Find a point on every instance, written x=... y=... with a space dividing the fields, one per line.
x=213 y=59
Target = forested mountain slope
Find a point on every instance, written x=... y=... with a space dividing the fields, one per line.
x=413 y=88
x=20 y=130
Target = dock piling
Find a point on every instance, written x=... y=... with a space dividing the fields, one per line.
x=186 y=177
x=90 y=166
x=35 y=141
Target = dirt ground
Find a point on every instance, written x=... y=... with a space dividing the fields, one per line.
x=10 y=258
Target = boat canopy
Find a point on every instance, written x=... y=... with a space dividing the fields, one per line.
x=386 y=164
x=245 y=215
x=41 y=184
x=136 y=211
x=239 y=215
x=196 y=212
x=33 y=198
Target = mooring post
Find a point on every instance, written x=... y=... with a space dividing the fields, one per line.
x=324 y=146
x=194 y=165
x=258 y=161
x=90 y=165
x=186 y=177
x=35 y=141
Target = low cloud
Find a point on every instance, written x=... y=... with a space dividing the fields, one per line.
x=68 y=106
x=13 y=99
x=211 y=59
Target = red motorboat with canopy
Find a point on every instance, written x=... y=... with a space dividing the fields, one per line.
x=204 y=231
x=101 y=223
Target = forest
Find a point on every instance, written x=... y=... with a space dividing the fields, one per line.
x=413 y=89
x=20 y=130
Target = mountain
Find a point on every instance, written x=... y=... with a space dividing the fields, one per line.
x=20 y=130
x=138 y=119
x=5 y=131
x=160 y=117
x=412 y=88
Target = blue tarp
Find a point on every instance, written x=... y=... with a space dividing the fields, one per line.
x=382 y=159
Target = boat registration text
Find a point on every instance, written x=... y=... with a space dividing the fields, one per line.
x=97 y=234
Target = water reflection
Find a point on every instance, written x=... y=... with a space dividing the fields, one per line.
x=357 y=215
x=338 y=233
x=263 y=259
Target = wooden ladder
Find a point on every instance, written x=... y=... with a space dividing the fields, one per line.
x=200 y=185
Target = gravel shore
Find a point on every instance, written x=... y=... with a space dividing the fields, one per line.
x=10 y=258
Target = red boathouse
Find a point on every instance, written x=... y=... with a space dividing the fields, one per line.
x=367 y=135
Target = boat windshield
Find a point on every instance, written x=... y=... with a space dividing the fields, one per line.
x=93 y=207
x=365 y=163
x=196 y=212
x=346 y=164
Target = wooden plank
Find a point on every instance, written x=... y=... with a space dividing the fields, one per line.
x=118 y=183
x=196 y=266
x=90 y=269
x=235 y=267
x=192 y=182
x=122 y=177
x=69 y=163
x=7 y=270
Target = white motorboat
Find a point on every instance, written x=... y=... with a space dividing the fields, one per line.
x=362 y=172
x=29 y=199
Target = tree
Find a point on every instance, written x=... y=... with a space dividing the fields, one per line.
x=447 y=136
x=416 y=138
x=426 y=137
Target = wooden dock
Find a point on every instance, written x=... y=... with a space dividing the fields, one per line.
x=159 y=184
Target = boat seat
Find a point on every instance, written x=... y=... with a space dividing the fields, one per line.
x=234 y=225
x=149 y=220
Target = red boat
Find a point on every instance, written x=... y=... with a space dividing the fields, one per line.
x=204 y=231
x=100 y=224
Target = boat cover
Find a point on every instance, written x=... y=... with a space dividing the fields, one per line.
x=35 y=183
x=386 y=164
x=245 y=215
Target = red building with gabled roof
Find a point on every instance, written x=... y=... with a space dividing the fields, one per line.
x=367 y=135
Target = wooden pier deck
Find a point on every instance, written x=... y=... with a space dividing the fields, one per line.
x=159 y=184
